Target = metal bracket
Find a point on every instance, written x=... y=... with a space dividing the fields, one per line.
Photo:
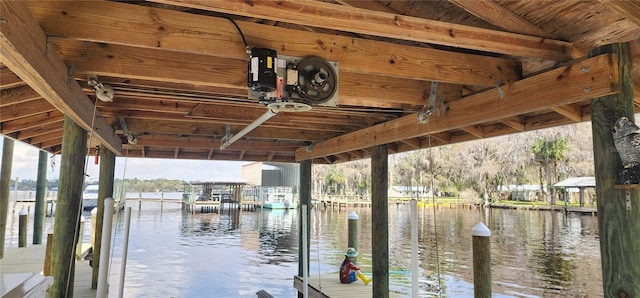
x=627 y=196
x=499 y=87
x=72 y=70
x=227 y=135
x=46 y=45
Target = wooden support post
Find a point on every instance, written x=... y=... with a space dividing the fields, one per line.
x=481 y=261
x=305 y=199
x=74 y=142
x=23 y=220
x=352 y=237
x=380 y=220
x=618 y=225
x=105 y=190
x=5 y=185
x=46 y=271
x=41 y=198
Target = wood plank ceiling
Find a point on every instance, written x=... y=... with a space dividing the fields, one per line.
x=179 y=71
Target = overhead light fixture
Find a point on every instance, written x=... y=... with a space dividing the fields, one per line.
x=104 y=92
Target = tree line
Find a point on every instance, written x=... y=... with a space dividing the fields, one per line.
x=475 y=169
x=472 y=170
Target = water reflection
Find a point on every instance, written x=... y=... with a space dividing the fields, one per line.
x=235 y=254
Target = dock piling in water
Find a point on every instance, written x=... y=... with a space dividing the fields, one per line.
x=22 y=227
x=481 y=261
x=353 y=230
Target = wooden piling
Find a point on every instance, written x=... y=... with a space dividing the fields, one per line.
x=352 y=239
x=481 y=261
x=5 y=185
x=618 y=215
x=380 y=220
x=22 y=227
x=41 y=197
x=105 y=190
x=68 y=208
x=46 y=271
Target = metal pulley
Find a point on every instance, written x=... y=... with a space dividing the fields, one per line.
x=317 y=80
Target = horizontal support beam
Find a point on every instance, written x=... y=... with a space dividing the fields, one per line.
x=326 y=15
x=25 y=52
x=576 y=82
x=153 y=28
x=145 y=64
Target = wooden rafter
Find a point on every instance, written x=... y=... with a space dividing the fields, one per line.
x=152 y=28
x=494 y=13
x=390 y=25
x=629 y=9
x=17 y=95
x=25 y=53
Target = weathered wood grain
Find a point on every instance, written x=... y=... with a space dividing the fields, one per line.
x=25 y=53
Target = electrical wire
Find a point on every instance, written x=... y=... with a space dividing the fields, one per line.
x=246 y=45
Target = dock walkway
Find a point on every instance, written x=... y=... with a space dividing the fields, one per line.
x=329 y=286
x=31 y=259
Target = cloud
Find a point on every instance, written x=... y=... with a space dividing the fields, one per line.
x=25 y=166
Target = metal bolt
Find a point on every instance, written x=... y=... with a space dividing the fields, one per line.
x=586 y=89
x=585 y=69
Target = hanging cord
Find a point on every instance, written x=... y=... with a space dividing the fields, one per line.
x=115 y=233
x=84 y=174
x=433 y=205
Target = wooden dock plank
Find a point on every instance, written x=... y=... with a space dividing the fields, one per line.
x=329 y=286
x=31 y=259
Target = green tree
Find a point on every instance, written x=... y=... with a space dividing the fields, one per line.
x=548 y=153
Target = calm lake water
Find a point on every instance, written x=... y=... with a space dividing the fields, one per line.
x=236 y=254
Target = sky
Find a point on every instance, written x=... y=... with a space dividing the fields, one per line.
x=25 y=167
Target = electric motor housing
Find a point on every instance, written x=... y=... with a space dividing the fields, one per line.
x=261 y=71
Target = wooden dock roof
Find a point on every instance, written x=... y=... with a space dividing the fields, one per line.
x=179 y=72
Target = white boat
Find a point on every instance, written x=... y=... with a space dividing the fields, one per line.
x=90 y=197
x=279 y=198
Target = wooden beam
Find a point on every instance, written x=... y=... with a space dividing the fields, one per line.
x=514 y=123
x=144 y=64
x=41 y=129
x=474 y=130
x=209 y=143
x=327 y=15
x=197 y=128
x=628 y=9
x=25 y=109
x=17 y=95
x=8 y=79
x=572 y=83
x=238 y=124
x=414 y=143
x=26 y=53
x=496 y=14
x=571 y=111
x=152 y=28
x=30 y=122
x=52 y=136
